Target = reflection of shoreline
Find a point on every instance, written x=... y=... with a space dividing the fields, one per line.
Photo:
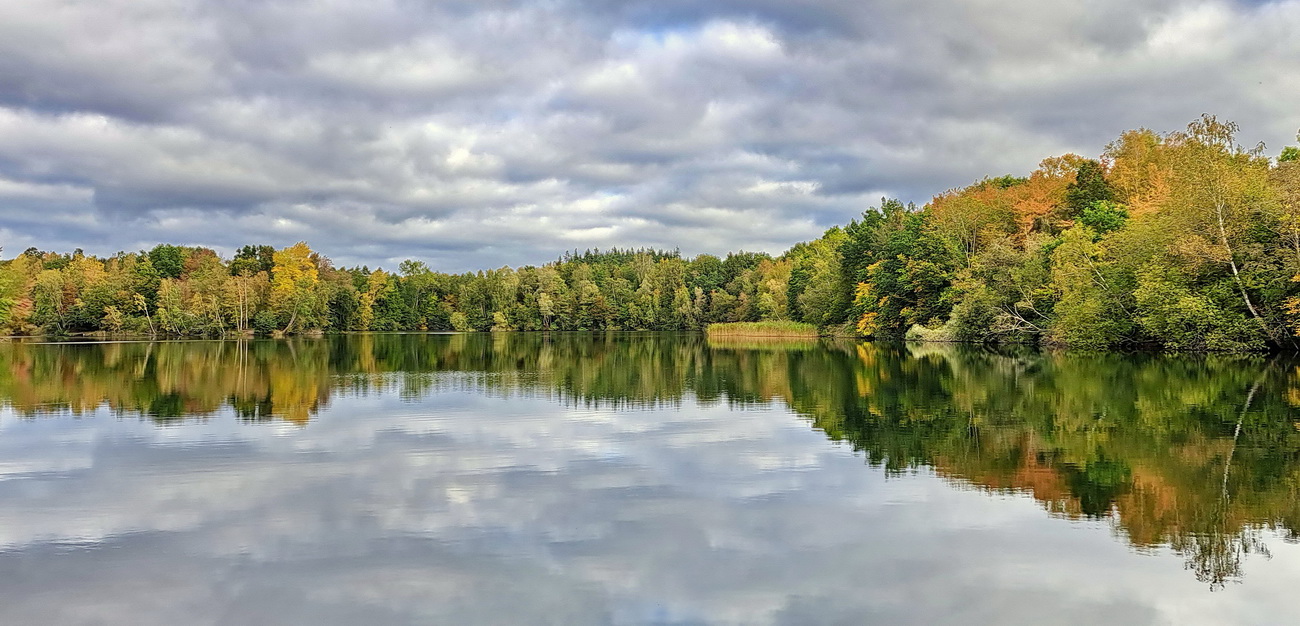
x=1165 y=447
x=762 y=342
x=1143 y=440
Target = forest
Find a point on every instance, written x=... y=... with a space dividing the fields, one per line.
x=1185 y=240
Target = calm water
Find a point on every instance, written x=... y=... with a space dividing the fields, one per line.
x=642 y=478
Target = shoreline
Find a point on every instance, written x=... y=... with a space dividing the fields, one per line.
x=738 y=337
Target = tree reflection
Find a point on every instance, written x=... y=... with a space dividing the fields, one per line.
x=1200 y=454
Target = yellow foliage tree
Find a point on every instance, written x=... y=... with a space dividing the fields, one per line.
x=293 y=285
x=1139 y=170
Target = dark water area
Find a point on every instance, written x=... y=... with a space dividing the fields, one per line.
x=642 y=478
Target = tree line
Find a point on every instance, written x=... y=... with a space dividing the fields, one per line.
x=1186 y=240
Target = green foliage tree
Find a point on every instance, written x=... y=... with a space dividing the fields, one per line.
x=250 y=260
x=901 y=268
x=1090 y=311
x=1103 y=216
x=1088 y=188
x=823 y=300
x=167 y=260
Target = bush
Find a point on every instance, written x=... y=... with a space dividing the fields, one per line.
x=973 y=318
x=933 y=333
x=460 y=323
x=1182 y=320
x=266 y=322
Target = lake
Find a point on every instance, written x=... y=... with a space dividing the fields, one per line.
x=642 y=478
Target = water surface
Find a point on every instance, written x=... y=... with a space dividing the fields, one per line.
x=642 y=478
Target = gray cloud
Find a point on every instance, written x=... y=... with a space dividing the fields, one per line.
x=480 y=133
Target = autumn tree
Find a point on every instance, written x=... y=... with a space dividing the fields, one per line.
x=1219 y=202
x=294 y=280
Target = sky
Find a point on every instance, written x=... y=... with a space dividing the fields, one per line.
x=479 y=133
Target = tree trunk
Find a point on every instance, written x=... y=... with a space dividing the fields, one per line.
x=1236 y=275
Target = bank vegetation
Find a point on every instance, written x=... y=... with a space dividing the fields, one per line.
x=1187 y=240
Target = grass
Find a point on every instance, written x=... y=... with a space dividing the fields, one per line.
x=762 y=329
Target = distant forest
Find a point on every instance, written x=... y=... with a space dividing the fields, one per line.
x=1185 y=240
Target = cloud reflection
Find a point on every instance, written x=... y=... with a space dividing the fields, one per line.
x=488 y=497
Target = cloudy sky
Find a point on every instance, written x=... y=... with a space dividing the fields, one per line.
x=477 y=133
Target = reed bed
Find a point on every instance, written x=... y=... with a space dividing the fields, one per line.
x=762 y=329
